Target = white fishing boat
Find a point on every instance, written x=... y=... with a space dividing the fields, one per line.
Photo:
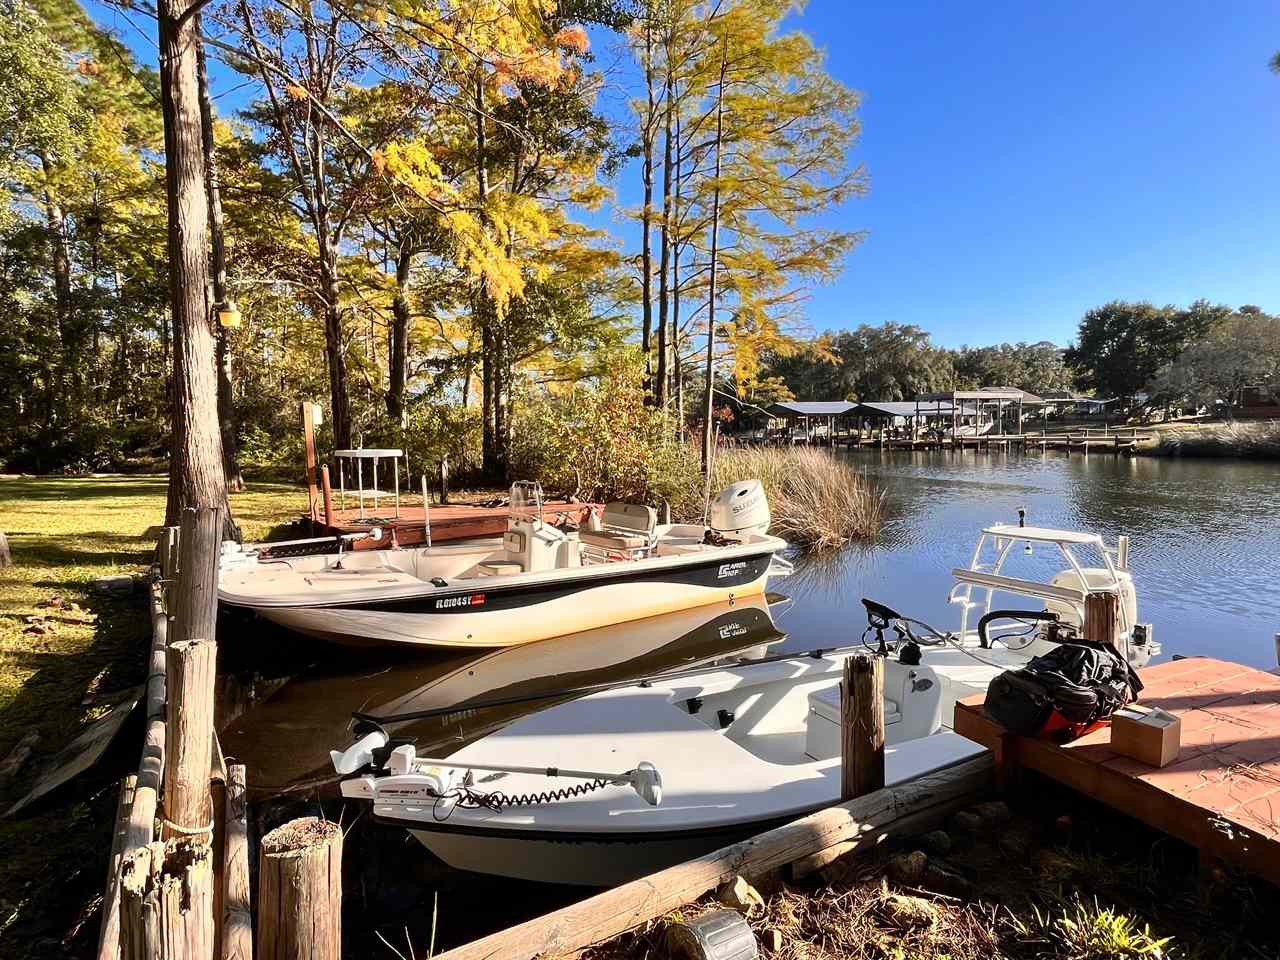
x=535 y=582
x=728 y=751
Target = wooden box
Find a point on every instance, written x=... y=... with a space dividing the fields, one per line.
x=1147 y=734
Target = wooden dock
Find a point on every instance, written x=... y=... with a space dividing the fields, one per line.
x=1091 y=440
x=1222 y=793
x=450 y=521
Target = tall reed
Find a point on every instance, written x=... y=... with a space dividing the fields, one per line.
x=1258 y=440
x=817 y=500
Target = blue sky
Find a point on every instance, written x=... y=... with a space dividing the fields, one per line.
x=1029 y=160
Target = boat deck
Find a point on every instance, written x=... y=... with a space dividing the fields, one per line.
x=1221 y=794
x=451 y=521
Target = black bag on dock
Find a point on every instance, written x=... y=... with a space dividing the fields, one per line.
x=1063 y=694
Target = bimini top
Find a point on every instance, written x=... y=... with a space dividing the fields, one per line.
x=1042 y=534
x=811 y=408
x=913 y=408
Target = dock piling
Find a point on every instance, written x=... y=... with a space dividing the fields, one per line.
x=237 y=916
x=1101 y=616
x=188 y=810
x=861 y=727
x=300 y=891
x=195 y=609
x=166 y=901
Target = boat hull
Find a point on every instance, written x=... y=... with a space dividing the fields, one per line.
x=585 y=862
x=498 y=618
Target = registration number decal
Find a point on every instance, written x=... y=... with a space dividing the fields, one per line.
x=448 y=603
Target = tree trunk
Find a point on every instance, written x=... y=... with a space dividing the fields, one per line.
x=65 y=385
x=218 y=265
x=196 y=477
x=677 y=373
x=492 y=400
x=660 y=378
x=502 y=405
x=646 y=212
x=334 y=355
x=709 y=397
x=399 y=337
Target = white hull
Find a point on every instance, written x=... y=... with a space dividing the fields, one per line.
x=461 y=595
x=588 y=863
x=598 y=607
x=771 y=762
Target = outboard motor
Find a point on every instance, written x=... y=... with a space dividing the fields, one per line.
x=740 y=510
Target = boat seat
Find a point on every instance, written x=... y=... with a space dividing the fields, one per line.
x=679 y=547
x=613 y=541
x=627 y=528
x=822 y=725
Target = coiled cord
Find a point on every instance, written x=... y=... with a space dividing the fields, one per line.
x=497 y=801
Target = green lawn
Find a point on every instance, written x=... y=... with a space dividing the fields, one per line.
x=65 y=656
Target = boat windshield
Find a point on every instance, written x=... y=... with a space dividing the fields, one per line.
x=526 y=501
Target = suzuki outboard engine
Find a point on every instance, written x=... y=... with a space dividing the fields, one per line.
x=740 y=509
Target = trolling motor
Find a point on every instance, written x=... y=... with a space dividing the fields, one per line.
x=879 y=617
x=415 y=780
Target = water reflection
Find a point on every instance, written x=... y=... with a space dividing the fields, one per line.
x=1205 y=540
x=285 y=728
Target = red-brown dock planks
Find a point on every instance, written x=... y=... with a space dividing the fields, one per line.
x=1221 y=794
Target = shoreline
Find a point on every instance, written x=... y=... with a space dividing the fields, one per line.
x=1217 y=439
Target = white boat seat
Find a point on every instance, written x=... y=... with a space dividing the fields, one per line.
x=826 y=704
x=822 y=725
x=611 y=541
x=498 y=568
x=679 y=547
x=626 y=528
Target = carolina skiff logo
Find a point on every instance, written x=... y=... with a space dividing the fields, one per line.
x=731 y=569
x=446 y=603
x=734 y=629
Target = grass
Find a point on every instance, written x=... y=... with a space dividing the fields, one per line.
x=67 y=655
x=818 y=501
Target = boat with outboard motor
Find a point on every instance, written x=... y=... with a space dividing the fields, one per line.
x=734 y=748
x=535 y=582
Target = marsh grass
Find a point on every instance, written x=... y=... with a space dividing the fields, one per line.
x=67 y=655
x=1252 y=439
x=818 y=500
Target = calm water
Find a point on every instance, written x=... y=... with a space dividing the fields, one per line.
x=1204 y=542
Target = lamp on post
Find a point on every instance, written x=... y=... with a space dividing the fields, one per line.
x=228 y=313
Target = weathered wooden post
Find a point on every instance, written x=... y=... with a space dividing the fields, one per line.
x=109 y=932
x=300 y=891
x=327 y=489
x=309 y=451
x=166 y=901
x=195 y=609
x=190 y=681
x=1101 y=616
x=237 y=917
x=861 y=726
